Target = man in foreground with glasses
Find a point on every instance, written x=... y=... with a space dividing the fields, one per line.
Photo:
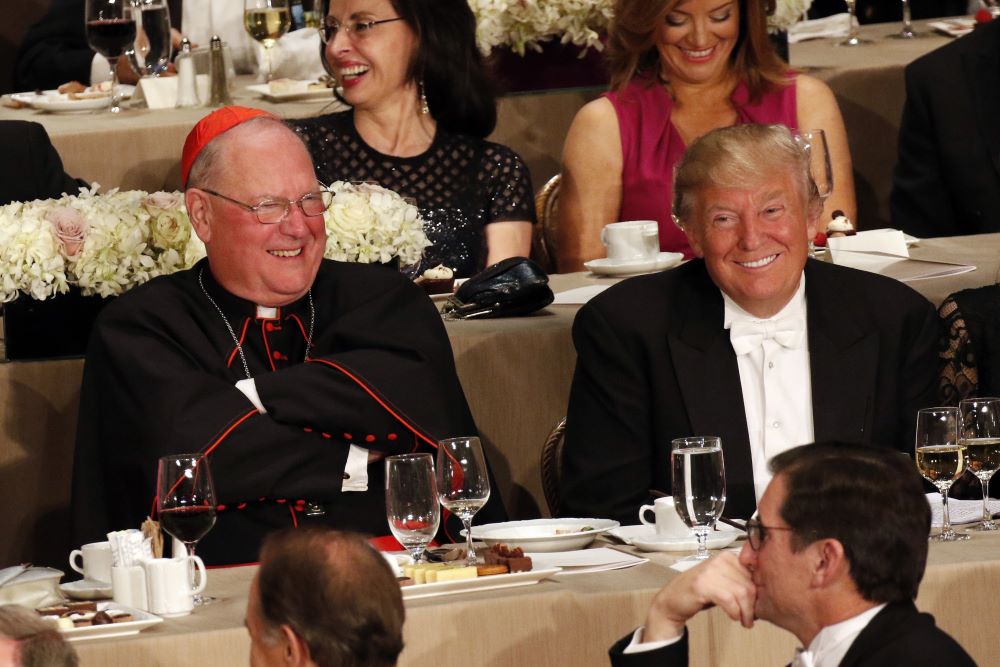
x=753 y=341
x=835 y=556
x=294 y=375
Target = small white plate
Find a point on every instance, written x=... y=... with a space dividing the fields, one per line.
x=543 y=534
x=294 y=95
x=85 y=589
x=62 y=103
x=645 y=538
x=489 y=583
x=140 y=621
x=613 y=267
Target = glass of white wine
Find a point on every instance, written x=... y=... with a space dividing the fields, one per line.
x=411 y=501
x=980 y=433
x=940 y=459
x=699 y=485
x=267 y=21
x=852 y=35
x=463 y=483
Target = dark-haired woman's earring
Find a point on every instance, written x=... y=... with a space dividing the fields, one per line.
x=424 y=109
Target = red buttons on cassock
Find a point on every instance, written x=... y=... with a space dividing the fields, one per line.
x=348 y=436
x=307 y=429
x=278 y=355
x=369 y=438
x=326 y=435
x=270 y=326
x=281 y=501
x=241 y=506
x=220 y=508
x=391 y=436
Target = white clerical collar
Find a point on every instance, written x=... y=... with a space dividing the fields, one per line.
x=266 y=312
x=795 y=308
x=830 y=645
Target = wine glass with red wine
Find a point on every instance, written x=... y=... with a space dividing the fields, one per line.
x=186 y=500
x=110 y=31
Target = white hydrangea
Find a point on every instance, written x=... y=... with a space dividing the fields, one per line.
x=786 y=14
x=525 y=24
x=369 y=224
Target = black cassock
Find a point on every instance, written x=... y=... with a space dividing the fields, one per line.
x=160 y=379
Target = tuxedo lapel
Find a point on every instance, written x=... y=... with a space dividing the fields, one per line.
x=896 y=619
x=982 y=72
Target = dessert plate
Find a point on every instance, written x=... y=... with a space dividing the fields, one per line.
x=140 y=621
x=612 y=267
x=85 y=589
x=295 y=91
x=490 y=583
x=645 y=538
x=543 y=535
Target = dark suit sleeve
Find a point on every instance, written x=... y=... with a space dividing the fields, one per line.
x=608 y=453
x=920 y=368
x=674 y=655
x=920 y=203
x=31 y=168
x=55 y=50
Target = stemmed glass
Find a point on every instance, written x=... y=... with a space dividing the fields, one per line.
x=411 y=503
x=980 y=434
x=463 y=483
x=699 y=485
x=820 y=168
x=267 y=21
x=150 y=54
x=110 y=31
x=907 y=32
x=185 y=497
x=852 y=35
x=940 y=459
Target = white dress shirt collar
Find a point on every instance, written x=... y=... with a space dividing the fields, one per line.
x=831 y=644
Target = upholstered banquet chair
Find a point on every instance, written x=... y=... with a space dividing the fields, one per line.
x=551 y=465
x=543 y=241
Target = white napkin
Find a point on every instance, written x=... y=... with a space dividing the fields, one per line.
x=579 y=295
x=295 y=56
x=831 y=26
x=160 y=92
x=960 y=511
x=884 y=251
x=688 y=562
x=585 y=560
x=128 y=547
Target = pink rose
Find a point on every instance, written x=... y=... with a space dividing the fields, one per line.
x=70 y=228
x=162 y=201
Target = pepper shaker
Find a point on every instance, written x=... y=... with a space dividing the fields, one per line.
x=220 y=87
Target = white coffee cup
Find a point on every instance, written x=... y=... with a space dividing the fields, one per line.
x=168 y=585
x=668 y=522
x=632 y=240
x=96 y=558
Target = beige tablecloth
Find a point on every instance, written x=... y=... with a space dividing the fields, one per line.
x=568 y=621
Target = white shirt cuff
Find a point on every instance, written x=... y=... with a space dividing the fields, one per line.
x=356 y=470
x=639 y=646
x=249 y=389
x=100 y=69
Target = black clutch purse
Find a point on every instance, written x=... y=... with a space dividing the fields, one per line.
x=514 y=286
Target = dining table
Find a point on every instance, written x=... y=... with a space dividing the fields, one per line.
x=569 y=619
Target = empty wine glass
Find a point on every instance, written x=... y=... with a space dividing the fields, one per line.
x=267 y=21
x=463 y=483
x=110 y=31
x=940 y=459
x=852 y=35
x=980 y=434
x=699 y=485
x=907 y=32
x=150 y=53
x=411 y=502
x=820 y=167
x=185 y=500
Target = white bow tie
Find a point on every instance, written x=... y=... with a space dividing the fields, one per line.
x=803 y=658
x=748 y=336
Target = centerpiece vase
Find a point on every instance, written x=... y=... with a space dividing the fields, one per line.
x=53 y=328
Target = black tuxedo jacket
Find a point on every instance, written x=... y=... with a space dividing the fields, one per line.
x=898 y=635
x=655 y=363
x=30 y=168
x=947 y=178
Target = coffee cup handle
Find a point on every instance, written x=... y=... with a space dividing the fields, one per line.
x=642 y=515
x=202 y=576
x=72 y=560
x=604 y=239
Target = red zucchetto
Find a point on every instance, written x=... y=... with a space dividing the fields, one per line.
x=209 y=128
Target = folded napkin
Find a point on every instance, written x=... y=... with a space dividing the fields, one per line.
x=578 y=295
x=295 y=56
x=960 y=511
x=585 y=560
x=29 y=586
x=884 y=251
x=831 y=26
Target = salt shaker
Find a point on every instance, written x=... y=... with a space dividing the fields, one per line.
x=187 y=81
x=217 y=70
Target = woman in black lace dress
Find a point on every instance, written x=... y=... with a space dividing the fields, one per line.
x=422 y=105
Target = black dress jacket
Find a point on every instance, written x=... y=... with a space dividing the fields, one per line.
x=947 y=177
x=898 y=635
x=30 y=168
x=655 y=363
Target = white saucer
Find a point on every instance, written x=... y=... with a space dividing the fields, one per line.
x=645 y=538
x=612 y=267
x=86 y=589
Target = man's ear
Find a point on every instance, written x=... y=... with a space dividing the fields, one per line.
x=814 y=211
x=199 y=212
x=295 y=649
x=693 y=235
x=829 y=564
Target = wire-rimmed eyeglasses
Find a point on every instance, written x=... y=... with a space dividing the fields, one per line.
x=356 y=29
x=757 y=532
x=273 y=210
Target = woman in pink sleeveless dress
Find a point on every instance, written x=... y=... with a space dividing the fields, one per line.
x=679 y=69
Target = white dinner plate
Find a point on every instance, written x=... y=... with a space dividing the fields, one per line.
x=299 y=92
x=645 y=538
x=489 y=583
x=543 y=534
x=85 y=589
x=612 y=267
x=140 y=621
x=62 y=103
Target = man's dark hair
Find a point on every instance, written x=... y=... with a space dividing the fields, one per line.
x=869 y=499
x=336 y=592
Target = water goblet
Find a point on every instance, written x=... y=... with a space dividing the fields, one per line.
x=852 y=35
x=411 y=502
x=980 y=434
x=699 y=485
x=150 y=53
x=907 y=32
x=267 y=21
x=940 y=459
x=110 y=28
x=820 y=167
x=185 y=501
x=463 y=483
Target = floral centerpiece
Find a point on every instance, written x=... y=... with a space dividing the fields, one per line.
x=525 y=24
x=104 y=244
x=786 y=14
x=372 y=225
